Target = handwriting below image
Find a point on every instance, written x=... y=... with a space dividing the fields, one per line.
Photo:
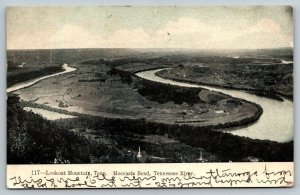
x=224 y=176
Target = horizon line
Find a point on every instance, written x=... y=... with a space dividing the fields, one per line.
x=144 y=48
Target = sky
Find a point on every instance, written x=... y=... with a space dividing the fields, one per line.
x=214 y=27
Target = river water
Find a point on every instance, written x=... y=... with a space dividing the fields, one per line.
x=34 y=81
x=275 y=124
x=50 y=115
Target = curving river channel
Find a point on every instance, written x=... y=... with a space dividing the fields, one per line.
x=50 y=115
x=25 y=84
x=275 y=124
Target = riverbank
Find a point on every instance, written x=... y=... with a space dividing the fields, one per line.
x=135 y=106
x=271 y=81
x=21 y=74
x=28 y=83
x=230 y=107
x=282 y=132
x=89 y=134
x=262 y=93
x=122 y=137
x=118 y=94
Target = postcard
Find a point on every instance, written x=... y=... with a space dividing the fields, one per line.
x=150 y=97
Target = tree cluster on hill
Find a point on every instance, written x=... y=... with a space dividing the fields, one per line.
x=164 y=93
x=33 y=139
x=226 y=146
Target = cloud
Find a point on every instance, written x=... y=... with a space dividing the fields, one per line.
x=185 y=25
x=265 y=25
x=191 y=32
x=185 y=32
x=128 y=38
x=266 y=33
x=74 y=36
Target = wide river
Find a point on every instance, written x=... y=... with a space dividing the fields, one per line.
x=276 y=122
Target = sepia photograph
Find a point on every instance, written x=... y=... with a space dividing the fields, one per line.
x=150 y=86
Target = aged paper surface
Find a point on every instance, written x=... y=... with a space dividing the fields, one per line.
x=191 y=175
x=150 y=97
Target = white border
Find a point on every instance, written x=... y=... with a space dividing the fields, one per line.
x=4 y=3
